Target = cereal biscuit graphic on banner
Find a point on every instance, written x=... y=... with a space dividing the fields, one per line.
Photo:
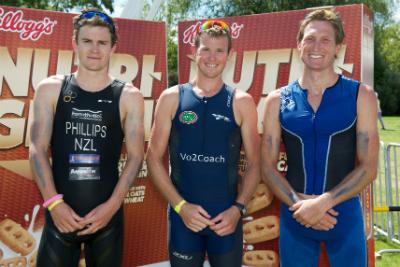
x=261 y=258
x=261 y=199
x=16 y=237
x=32 y=259
x=262 y=229
x=11 y=262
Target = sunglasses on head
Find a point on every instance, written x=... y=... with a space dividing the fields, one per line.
x=104 y=17
x=209 y=24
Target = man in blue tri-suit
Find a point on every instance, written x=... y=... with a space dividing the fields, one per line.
x=204 y=124
x=328 y=125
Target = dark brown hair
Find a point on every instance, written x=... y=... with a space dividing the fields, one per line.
x=101 y=19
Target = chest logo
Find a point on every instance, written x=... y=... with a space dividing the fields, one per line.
x=188 y=117
x=287 y=102
x=69 y=96
x=221 y=117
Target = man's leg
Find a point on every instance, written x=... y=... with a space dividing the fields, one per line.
x=297 y=250
x=350 y=249
x=233 y=243
x=57 y=251
x=186 y=259
x=186 y=248
x=381 y=121
x=105 y=248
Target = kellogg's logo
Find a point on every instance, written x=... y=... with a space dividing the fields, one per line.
x=13 y=21
x=190 y=33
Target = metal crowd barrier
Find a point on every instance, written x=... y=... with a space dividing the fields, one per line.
x=387 y=196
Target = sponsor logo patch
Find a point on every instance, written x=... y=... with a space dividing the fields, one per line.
x=84 y=173
x=84 y=159
x=182 y=256
x=221 y=117
x=188 y=117
x=193 y=157
x=86 y=114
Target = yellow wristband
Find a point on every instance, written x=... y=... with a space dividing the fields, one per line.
x=55 y=203
x=178 y=207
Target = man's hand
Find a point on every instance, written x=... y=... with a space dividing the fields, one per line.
x=226 y=221
x=195 y=217
x=97 y=218
x=314 y=211
x=65 y=219
x=327 y=222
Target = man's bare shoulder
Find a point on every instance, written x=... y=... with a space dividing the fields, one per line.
x=170 y=96
x=272 y=104
x=274 y=96
x=366 y=91
x=243 y=98
x=131 y=91
x=170 y=92
x=52 y=82
x=50 y=87
x=366 y=98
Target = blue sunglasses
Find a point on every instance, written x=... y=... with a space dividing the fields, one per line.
x=104 y=17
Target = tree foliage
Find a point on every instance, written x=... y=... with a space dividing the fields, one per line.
x=60 y=5
x=387 y=67
x=248 y=7
x=387 y=33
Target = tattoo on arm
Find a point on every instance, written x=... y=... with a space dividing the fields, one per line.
x=362 y=142
x=38 y=170
x=134 y=132
x=268 y=141
x=352 y=183
x=38 y=159
x=286 y=191
x=272 y=145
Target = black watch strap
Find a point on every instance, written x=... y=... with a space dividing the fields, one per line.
x=241 y=207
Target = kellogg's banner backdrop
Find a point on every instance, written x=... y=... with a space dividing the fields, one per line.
x=265 y=59
x=35 y=44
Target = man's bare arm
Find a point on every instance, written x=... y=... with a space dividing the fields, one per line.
x=270 y=147
x=158 y=145
x=44 y=104
x=41 y=129
x=251 y=144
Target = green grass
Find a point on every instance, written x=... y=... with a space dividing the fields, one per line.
x=392 y=132
x=390 y=135
x=387 y=259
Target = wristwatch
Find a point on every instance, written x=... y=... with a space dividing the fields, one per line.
x=241 y=207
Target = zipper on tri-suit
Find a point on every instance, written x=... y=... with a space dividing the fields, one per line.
x=315 y=149
x=204 y=100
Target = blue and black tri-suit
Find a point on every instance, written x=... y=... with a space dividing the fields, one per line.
x=204 y=147
x=321 y=151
